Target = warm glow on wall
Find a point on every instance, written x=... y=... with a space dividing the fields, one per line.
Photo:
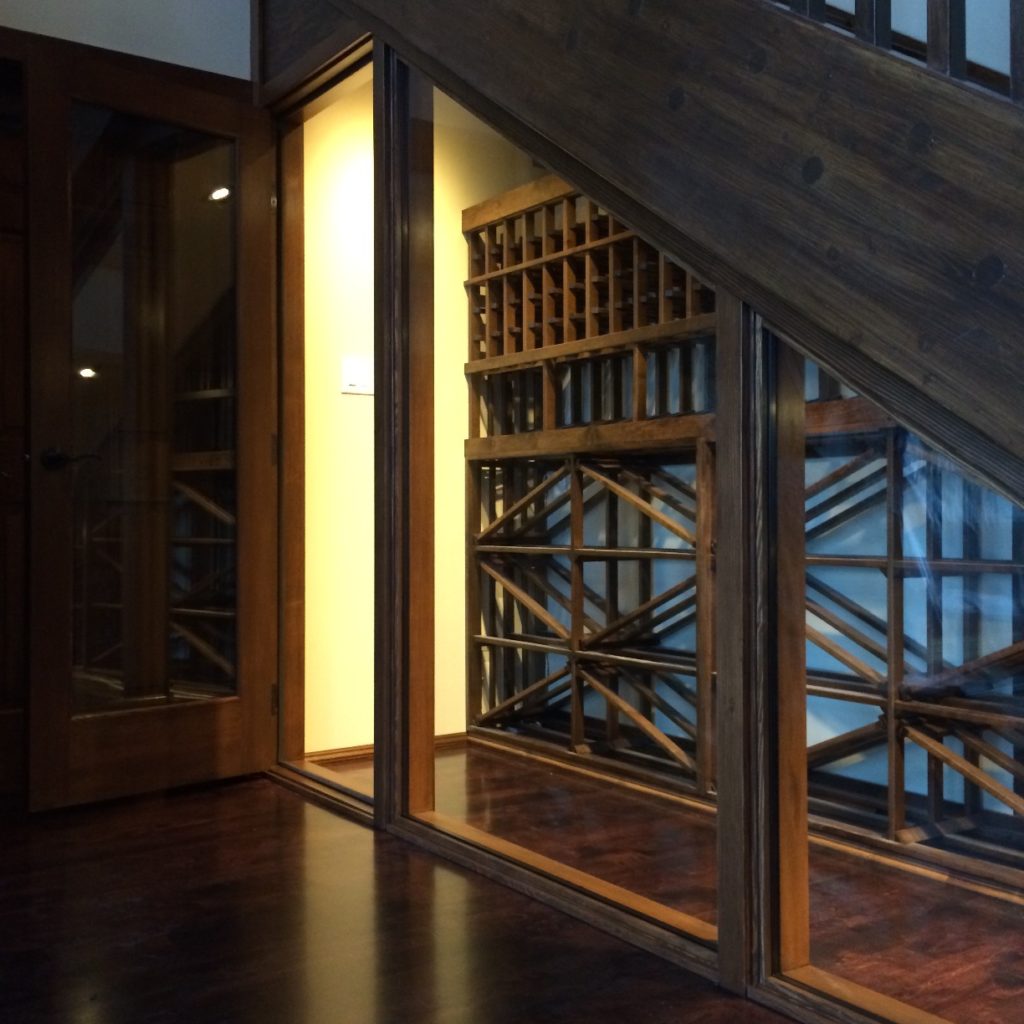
x=338 y=202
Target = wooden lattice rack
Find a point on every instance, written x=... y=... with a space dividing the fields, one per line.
x=591 y=498
x=590 y=537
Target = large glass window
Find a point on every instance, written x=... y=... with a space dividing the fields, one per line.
x=569 y=488
x=912 y=703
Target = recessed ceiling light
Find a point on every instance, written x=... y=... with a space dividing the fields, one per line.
x=218 y=195
x=87 y=372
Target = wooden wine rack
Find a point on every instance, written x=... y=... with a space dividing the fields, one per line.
x=591 y=496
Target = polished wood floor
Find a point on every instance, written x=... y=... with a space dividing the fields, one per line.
x=953 y=952
x=246 y=904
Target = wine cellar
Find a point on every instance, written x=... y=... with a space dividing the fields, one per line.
x=591 y=529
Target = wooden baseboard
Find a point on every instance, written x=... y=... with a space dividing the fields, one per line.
x=448 y=741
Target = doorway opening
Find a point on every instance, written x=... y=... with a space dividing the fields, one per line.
x=328 y=449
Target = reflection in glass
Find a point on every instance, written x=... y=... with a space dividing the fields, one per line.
x=915 y=708
x=153 y=364
x=573 y=535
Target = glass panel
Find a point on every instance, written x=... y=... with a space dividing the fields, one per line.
x=988 y=34
x=337 y=449
x=153 y=364
x=915 y=714
x=578 y=729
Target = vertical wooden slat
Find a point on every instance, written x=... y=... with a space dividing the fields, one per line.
x=790 y=659
x=873 y=22
x=474 y=663
x=615 y=270
x=611 y=532
x=639 y=383
x=1017 y=50
x=508 y=340
x=896 y=630
x=639 y=289
x=578 y=737
x=705 y=529
x=947 y=37
x=528 y=310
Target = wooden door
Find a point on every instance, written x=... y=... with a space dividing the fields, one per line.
x=152 y=457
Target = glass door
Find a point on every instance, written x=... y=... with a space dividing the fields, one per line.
x=152 y=462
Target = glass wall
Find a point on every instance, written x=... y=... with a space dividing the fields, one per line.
x=913 y=705
x=569 y=491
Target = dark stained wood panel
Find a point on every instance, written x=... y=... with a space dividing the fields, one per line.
x=13 y=619
x=292 y=34
x=862 y=200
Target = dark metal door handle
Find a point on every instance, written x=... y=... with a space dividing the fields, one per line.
x=54 y=458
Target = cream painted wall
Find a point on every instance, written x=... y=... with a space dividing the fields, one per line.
x=338 y=144
x=212 y=35
x=471 y=163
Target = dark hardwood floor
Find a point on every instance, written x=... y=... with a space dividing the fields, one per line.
x=245 y=903
x=945 y=949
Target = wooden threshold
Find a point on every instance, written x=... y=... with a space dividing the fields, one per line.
x=323 y=791
x=649 y=909
x=862 y=998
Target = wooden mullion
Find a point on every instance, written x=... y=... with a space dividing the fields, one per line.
x=611 y=533
x=576 y=535
x=419 y=754
x=873 y=22
x=1017 y=51
x=947 y=37
x=790 y=660
x=809 y=8
x=895 y=632
x=741 y=525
